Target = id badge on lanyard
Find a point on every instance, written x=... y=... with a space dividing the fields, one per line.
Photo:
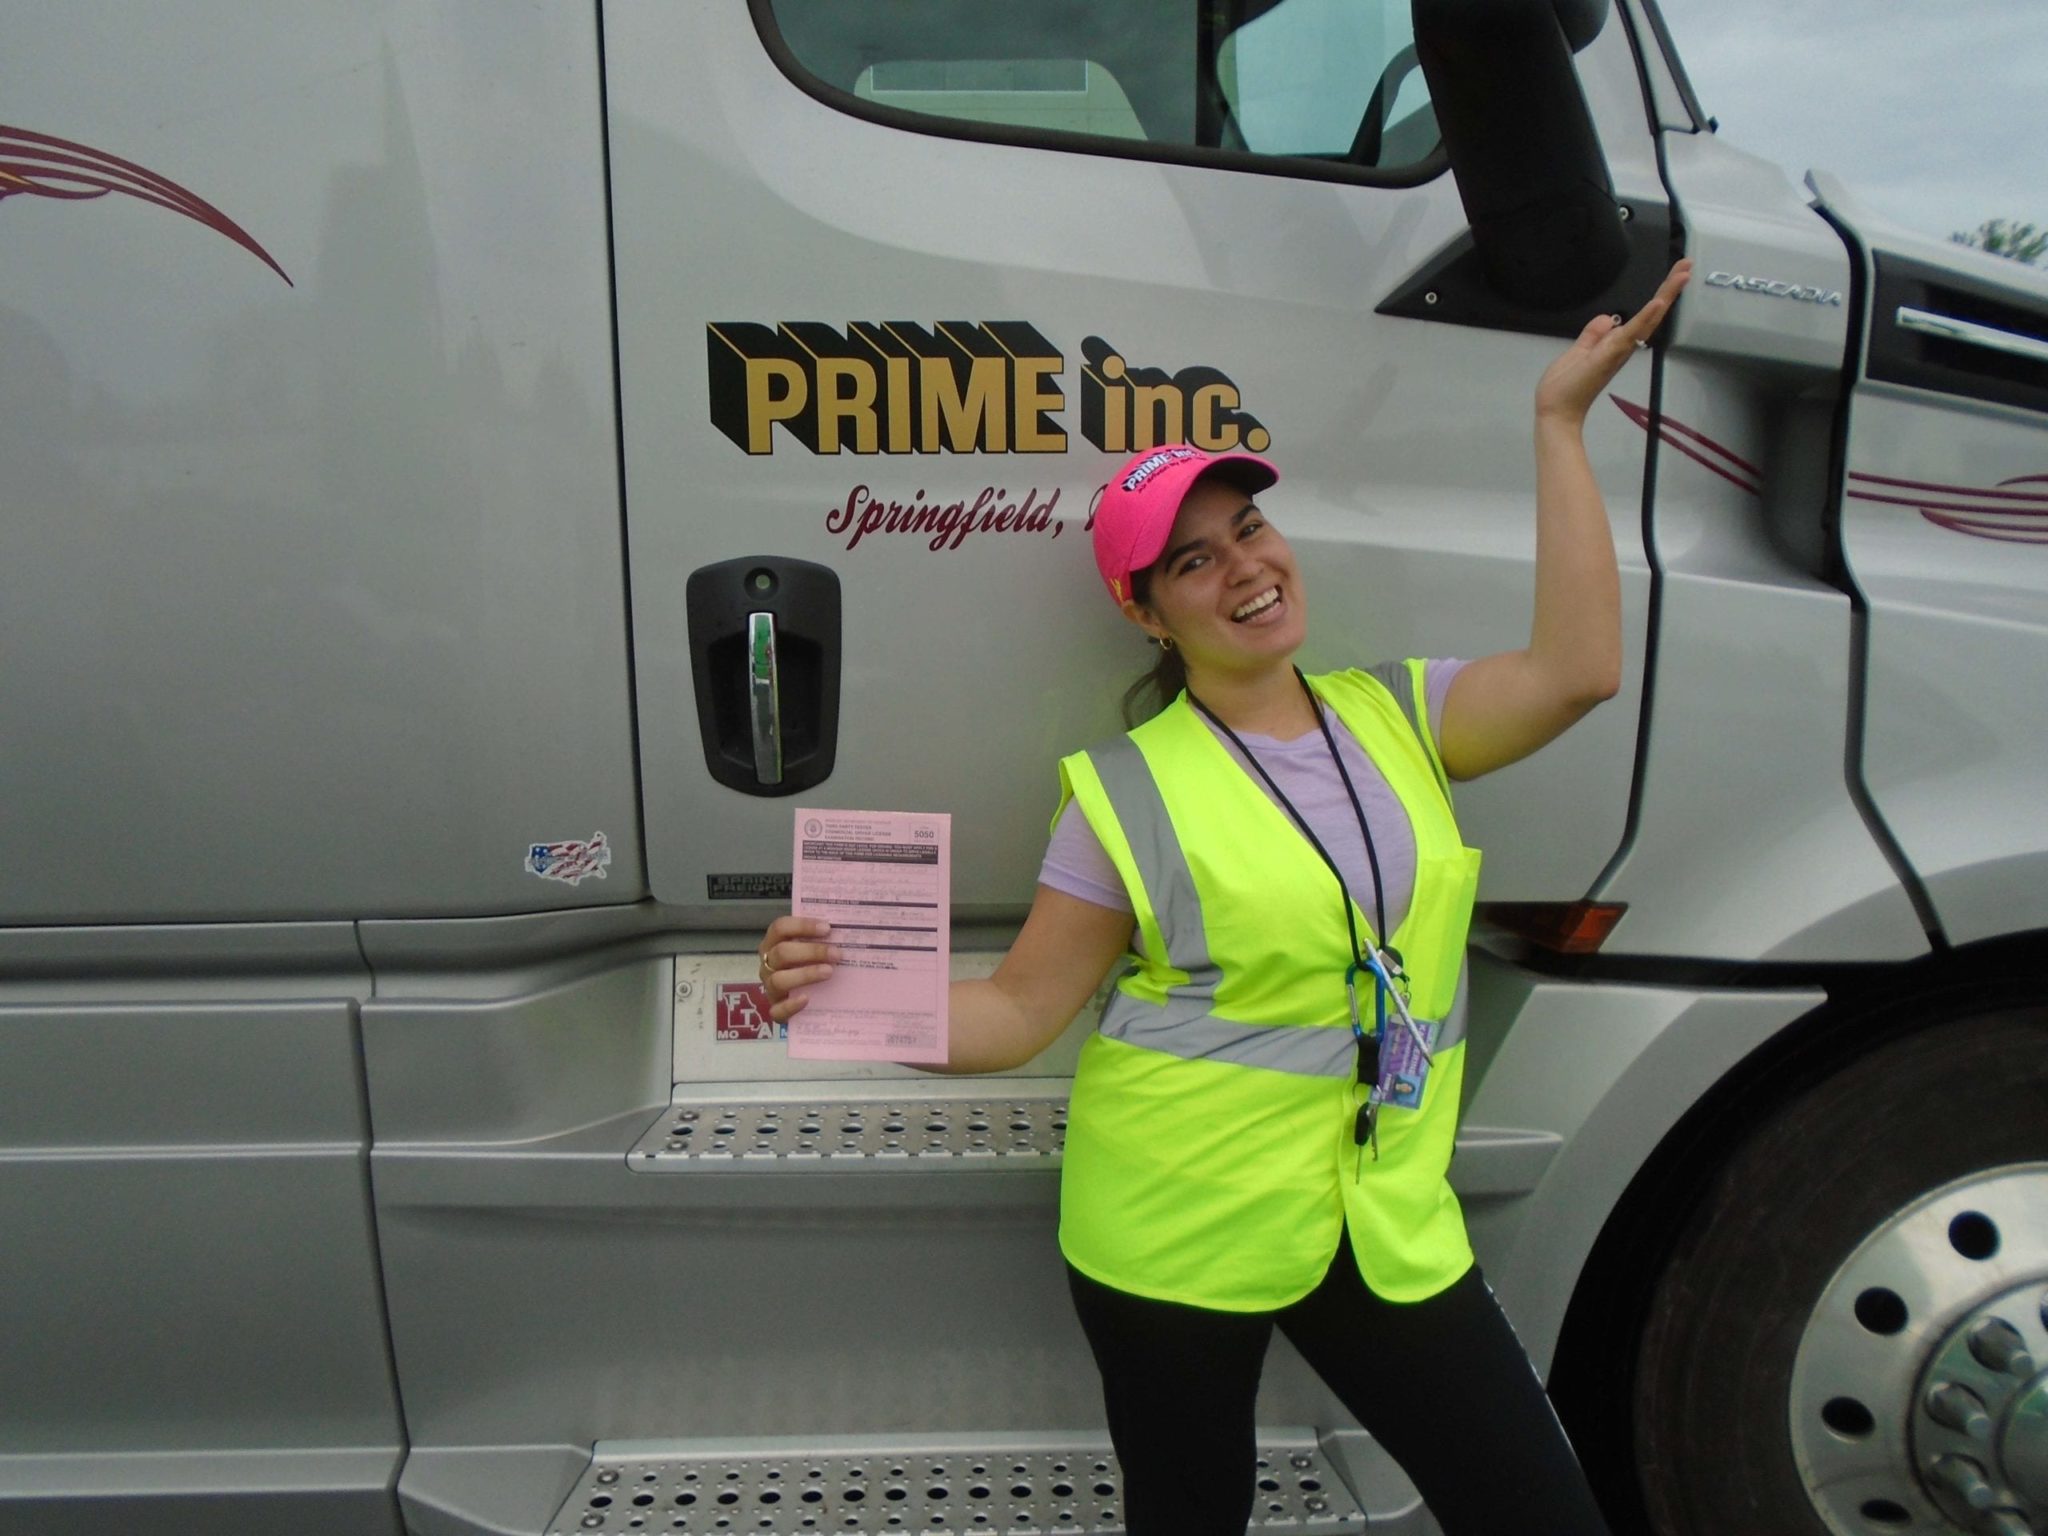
x=1396 y=1063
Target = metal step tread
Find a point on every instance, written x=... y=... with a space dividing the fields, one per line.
x=1037 y=1488
x=725 y=1134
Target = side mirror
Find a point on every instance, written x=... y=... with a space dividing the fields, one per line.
x=1521 y=143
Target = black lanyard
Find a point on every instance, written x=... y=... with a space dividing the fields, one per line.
x=1372 y=857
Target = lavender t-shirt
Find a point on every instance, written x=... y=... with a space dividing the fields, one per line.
x=1076 y=864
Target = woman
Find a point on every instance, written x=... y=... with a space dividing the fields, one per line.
x=1261 y=1126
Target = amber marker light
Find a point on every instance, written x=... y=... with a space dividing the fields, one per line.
x=1563 y=927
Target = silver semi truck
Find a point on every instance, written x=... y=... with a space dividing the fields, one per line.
x=465 y=467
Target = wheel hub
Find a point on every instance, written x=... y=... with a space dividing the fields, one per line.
x=2026 y=1441
x=1980 y=1419
x=1920 y=1388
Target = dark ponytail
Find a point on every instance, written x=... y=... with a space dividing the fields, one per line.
x=1160 y=686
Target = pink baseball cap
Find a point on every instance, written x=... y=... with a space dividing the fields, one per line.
x=1140 y=502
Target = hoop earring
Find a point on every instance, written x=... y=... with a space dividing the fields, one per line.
x=1165 y=642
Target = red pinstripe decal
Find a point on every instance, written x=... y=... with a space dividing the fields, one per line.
x=37 y=165
x=1990 y=514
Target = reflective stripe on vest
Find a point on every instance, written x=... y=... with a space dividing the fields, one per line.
x=1184 y=1027
x=1405 y=683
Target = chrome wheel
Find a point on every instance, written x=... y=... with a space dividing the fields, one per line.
x=1919 y=1390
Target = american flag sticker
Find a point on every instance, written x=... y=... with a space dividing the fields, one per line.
x=572 y=862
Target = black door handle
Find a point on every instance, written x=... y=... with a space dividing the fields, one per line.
x=764 y=656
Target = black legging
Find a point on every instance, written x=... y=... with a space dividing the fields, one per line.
x=1443 y=1385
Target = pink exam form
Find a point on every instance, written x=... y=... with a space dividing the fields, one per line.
x=884 y=881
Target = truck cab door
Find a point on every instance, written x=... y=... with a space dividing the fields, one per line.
x=899 y=286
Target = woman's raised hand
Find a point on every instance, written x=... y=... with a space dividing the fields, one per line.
x=1572 y=383
x=794 y=955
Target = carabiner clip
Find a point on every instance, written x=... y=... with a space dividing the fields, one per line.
x=1379 y=969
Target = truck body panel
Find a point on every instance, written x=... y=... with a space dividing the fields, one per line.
x=1945 y=507
x=314 y=585
x=193 y=1291
x=1605 y=1070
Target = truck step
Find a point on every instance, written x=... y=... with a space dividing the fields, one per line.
x=724 y=1133
x=1020 y=1488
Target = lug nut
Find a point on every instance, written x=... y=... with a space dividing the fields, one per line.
x=1999 y=1347
x=2004 y=1522
x=1960 y=1409
x=1965 y=1479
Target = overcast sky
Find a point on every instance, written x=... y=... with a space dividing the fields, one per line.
x=1934 y=111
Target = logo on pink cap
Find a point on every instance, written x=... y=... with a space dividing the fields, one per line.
x=1151 y=464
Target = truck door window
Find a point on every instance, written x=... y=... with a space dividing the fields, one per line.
x=1300 y=79
x=1306 y=87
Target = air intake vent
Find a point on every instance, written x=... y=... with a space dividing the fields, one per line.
x=1934 y=329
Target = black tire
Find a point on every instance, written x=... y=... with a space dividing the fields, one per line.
x=1713 y=1373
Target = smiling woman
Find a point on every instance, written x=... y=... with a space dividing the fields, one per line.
x=1261 y=1128
x=1217 y=521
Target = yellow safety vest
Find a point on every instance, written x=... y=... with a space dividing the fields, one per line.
x=1210 y=1156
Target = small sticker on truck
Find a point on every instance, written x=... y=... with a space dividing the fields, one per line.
x=570 y=862
x=763 y=885
x=743 y=1013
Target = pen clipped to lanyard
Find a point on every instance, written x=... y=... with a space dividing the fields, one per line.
x=1383 y=989
x=1385 y=975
